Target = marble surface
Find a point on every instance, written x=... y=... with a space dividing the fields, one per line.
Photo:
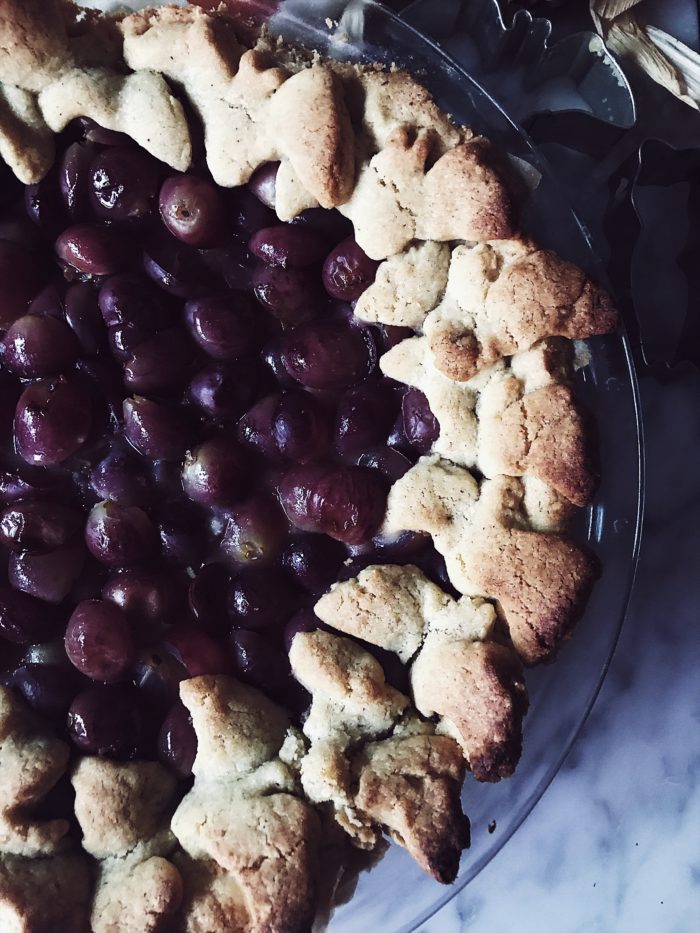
x=614 y=844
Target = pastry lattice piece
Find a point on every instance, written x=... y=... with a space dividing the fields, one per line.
x=124 y=812
x=495 y=299
x=515 y=419
x=540 y=580
x=474 y=685
x=250 y=841
x=379 y=768
x=31 y=762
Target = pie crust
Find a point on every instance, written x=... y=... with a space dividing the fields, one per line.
x=494 y=318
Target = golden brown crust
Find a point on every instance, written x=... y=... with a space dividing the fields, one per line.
x=412 y=786
x=478 y=689
x=45 y=895
x=140 y=897
x=30 y=764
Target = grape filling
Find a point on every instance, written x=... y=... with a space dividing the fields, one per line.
x=196 y=440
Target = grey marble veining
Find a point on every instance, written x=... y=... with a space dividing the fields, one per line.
x=614 y=844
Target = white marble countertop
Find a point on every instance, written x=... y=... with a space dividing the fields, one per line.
x=614 y=844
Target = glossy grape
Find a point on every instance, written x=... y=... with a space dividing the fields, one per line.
x=287 y=246
x=198 y=652
x=25 y=620
x=192 y=210
x=225 y=327
x=260 y=598
x=364 y=418
x=160 y=363
x=420 y=424
x=214 y=473
x=348 y=271
x=177 y=741
x=49 y=576
x=291 y=295
x=52 y=421
x=38 y=525
x=262 y=183
x=260 y=661
x=223 y=392
x=83 y=317
x=120 y=477
x=145 y=595
x=120 y=535
x=73 y=178
x=105 y=720
x=123 y=183
x=314 y=562
x=345 y=503
x=93 y=249
x=39 y=346
x=156 y=430
x=328 y=354
x=49 y=689
x=255 y=533
x=98 y=640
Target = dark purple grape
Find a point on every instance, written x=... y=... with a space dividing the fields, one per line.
x=255 y=429
x=83 y=317
x=225 y=327
x=182 y=537
x=215 y=473
x=192 y=210
x=52 y=421
x=157 y=675
x=301 y=427
x=48 y=303
x=105 y=720
x=291 y=295
x=263 y=183
x=287 y=246
x=21 y=279
x=125 y=340
x=94 y=249
x=160 y=363
x=420 y=424
x=328 y=354
x=39 y=346
x=145 y=595
x=49 y=689
x=345 y=503
x=130 y=298
x=95 y=133
x=364 y=418
x=45 y=206
x=224 y=392
x=259 y=661
x=38 y=525
x=260 y=598
x=49 y=577
x=207 y=596
x=303 y=621
x=331 y=224
x=255 y=533
x=120 y=477
x=177 y=742
x=249 y=214
x=98 y=640
x=272 y=357
x=73 y=178
x=231 y=263
x=390 y=462
x=174 y=267
x=389 y=335
x=348 y=271
x=314 y=561
x=123 y=183
x=19 y=485
x=25 y=620
x=197 y=652
x=120 y=535
x=156 y=430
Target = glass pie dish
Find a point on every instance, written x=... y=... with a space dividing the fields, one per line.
x=395 y=895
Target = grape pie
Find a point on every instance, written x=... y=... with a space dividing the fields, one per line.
x=290 y=447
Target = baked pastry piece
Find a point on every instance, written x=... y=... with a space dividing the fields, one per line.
x=290 y=450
